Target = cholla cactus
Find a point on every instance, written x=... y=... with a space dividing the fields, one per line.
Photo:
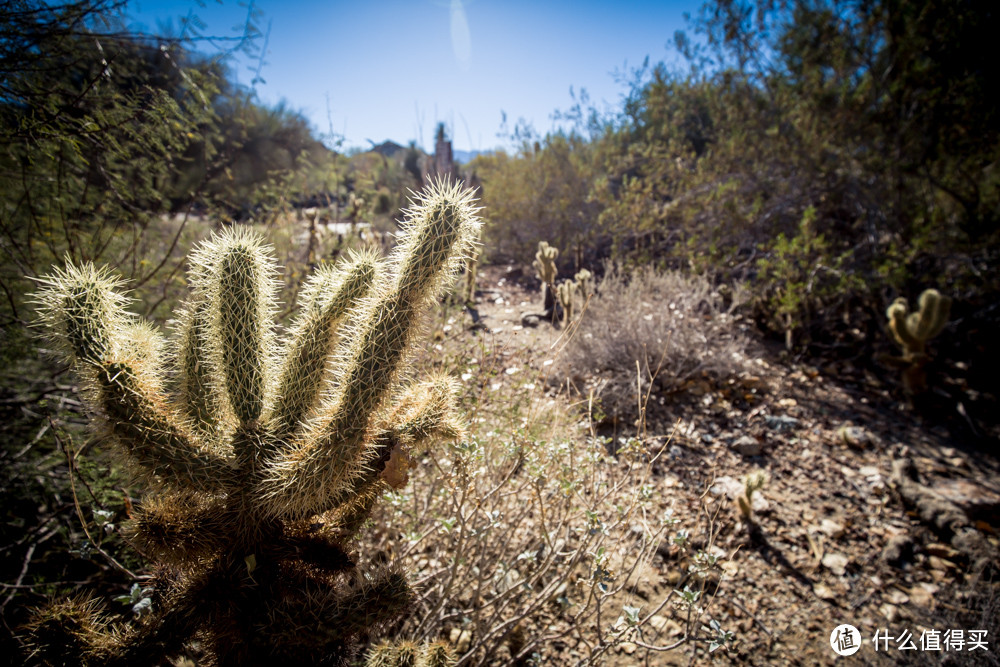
x=567 y=292
x=581 y=286
x=752 y=483
x=356 y=207
x=584 y=283
x=408 y=654
x=912 y=331
x=545 y=264
x=263 y=461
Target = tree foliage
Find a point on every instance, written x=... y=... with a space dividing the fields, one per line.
x=868 y=119
x=104 y=131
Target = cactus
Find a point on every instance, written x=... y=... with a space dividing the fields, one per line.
x=545 y=262
x=567 y=292
x=582 y=285
x=545 y=265
x=262 y=461
x=912 y=331
x=753 y=482
x=408 y=654
x=471 y=273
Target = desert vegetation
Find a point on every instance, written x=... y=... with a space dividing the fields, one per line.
x=680 y=382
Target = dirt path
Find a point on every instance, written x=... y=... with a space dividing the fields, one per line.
x=831 y=541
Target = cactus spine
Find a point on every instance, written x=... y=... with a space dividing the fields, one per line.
x=912 y=331
x=262 y=461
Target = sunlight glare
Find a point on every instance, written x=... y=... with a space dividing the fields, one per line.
x=461 y=40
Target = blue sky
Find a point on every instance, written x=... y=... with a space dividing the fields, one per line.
x=392 y=69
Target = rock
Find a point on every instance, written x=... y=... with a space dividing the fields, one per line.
x=836 y=563
x=890 y=611
x=462 y=639
x=666 y=626
x=726 y=486
x=746 y=446
x=898 y=550
x=831 y=528
x=922 y=595
x=780 y=422
x=824 y=592
x=529 y=321
x=897 y=597
x=971 y=497
x=942 y=551
x=855 y=437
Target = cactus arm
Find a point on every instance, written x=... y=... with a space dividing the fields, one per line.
x=329 y=296
x=938 y=309
x=179 y=528
x=440 y=231
x=897 y=313
x=437 y=654
x=566 y=291
x=921 y=321
x=135 y=415
x=242 y=327
x=199 y=396
x=80 y=308
x=234 y=275
x=323 y=615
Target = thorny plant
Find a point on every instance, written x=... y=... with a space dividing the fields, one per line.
x=261 y=462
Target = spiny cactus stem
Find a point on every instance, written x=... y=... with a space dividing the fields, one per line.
x=242 y=319
x=331 y=296
x=197 y=391
x=144 y=430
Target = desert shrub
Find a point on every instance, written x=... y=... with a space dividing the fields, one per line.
x=648 y=333
x=531 y=542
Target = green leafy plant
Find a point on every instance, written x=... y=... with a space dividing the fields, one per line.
x=262 y=463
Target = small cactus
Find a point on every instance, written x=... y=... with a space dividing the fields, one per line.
x=752 y=483
x=582 y=287
x=584 y=283
x=912 y=331
x=545 y=265
x=262 y=462
x=545 y=262
x=409 y=654
x=567 y=292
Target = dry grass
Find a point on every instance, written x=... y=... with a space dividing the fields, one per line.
x=529 y=542
x=646 y=335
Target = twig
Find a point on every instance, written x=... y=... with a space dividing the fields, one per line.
x=751 y=615
x=79 y=511
x=20 y=577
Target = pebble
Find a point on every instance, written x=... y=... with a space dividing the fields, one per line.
x=747 y=446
